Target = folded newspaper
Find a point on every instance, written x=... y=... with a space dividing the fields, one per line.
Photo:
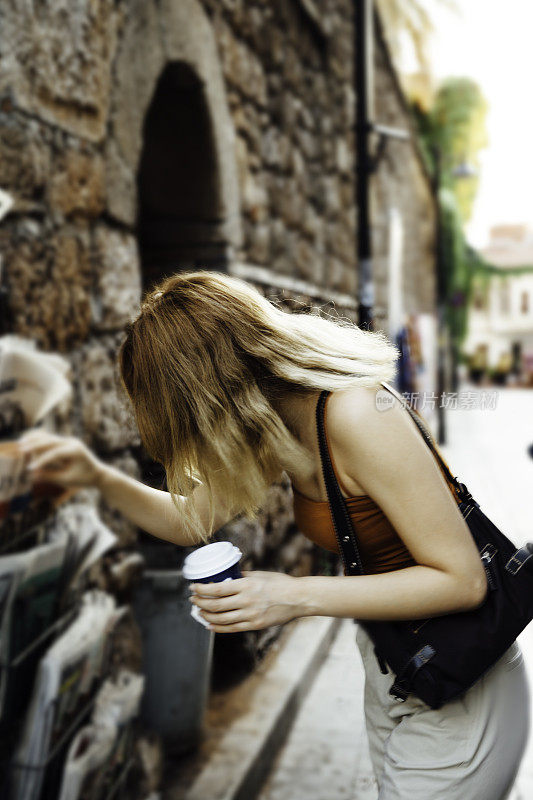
x=33 y=383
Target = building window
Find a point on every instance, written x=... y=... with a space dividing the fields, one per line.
x=480 y=296
x=505 y=297
x=524 y=302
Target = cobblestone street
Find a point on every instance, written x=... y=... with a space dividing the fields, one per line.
x=326 y=755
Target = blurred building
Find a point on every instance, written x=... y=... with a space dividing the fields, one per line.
x=144 y=137
x=500 y=322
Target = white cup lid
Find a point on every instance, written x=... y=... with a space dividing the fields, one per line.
x=210 y=559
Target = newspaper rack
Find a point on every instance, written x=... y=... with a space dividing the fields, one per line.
x=22 y=665
x=52 y=766
x=33 y=519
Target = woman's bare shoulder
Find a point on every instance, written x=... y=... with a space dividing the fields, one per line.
x=359 y=420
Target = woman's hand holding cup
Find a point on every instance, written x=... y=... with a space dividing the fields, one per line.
x=228 y=601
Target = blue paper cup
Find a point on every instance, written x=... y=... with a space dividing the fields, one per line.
x=212 y=563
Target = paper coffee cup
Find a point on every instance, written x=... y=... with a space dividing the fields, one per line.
x=212 y=563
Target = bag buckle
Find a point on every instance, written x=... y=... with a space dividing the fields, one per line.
x=519 y=558
x=465 y=495
x=398 y=692
x=398 y=688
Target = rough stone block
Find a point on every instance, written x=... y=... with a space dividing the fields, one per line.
x=121 y=186
x=106 y=417
x=24 y=156
x=241 y=66
x=56 y=61
x=50 y=276
x=254 y=198
x=257 y=243
x=276 y=149
x=77 y=183
x=118 y=278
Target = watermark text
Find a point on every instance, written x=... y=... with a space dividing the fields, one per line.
x=467 y=399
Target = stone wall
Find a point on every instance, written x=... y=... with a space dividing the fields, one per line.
x=403 y=183
x=274 y=82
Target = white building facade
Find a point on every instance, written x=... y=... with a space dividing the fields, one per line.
x=500 y=320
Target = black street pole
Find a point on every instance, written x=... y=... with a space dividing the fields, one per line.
x=363 y=64
x=441 y=303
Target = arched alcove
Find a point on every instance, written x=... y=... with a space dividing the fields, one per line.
x=181 y=218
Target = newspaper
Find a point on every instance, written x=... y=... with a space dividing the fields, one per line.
x=64 y=677
x=95 y=746
x=93 y=537
x=35 y=583
x=30 y=590
x=32 y=383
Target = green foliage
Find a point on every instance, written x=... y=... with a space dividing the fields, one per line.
x=457 y=260
x=451 y=133
x=455 y=127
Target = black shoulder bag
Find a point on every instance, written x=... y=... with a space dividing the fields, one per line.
x=439 y=658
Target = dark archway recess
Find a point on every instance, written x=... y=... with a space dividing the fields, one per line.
x=180 y=214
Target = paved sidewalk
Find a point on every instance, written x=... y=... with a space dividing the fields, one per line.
x=326 y=754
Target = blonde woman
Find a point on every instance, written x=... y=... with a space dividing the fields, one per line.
x=224 y=387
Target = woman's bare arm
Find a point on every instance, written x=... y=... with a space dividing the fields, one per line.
x=69 y=462
x=152 y=509
x=384 y=452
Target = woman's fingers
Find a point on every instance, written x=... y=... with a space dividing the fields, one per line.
x=33 y=439
x=220 y=589
x=217 y=604
x=235 y=627
x=52 y=455
x=226 y=617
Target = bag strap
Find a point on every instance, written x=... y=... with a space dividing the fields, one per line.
x=424 y=431
x=460 y=488
x=342 y=523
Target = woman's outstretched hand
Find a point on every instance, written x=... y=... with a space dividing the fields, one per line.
x=64 y=460
x=255 y=601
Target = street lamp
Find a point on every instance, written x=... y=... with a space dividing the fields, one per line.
x=464 y=170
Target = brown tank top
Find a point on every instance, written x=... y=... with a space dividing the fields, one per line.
x=381 y=548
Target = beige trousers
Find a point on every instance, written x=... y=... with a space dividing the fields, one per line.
x=470 y=749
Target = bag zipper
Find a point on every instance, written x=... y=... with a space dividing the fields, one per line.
x=420 y=625
x=486 y=557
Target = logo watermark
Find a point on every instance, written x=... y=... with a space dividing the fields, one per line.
x=467 y=399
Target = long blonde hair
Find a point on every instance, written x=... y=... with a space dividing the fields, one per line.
x=203 y=364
